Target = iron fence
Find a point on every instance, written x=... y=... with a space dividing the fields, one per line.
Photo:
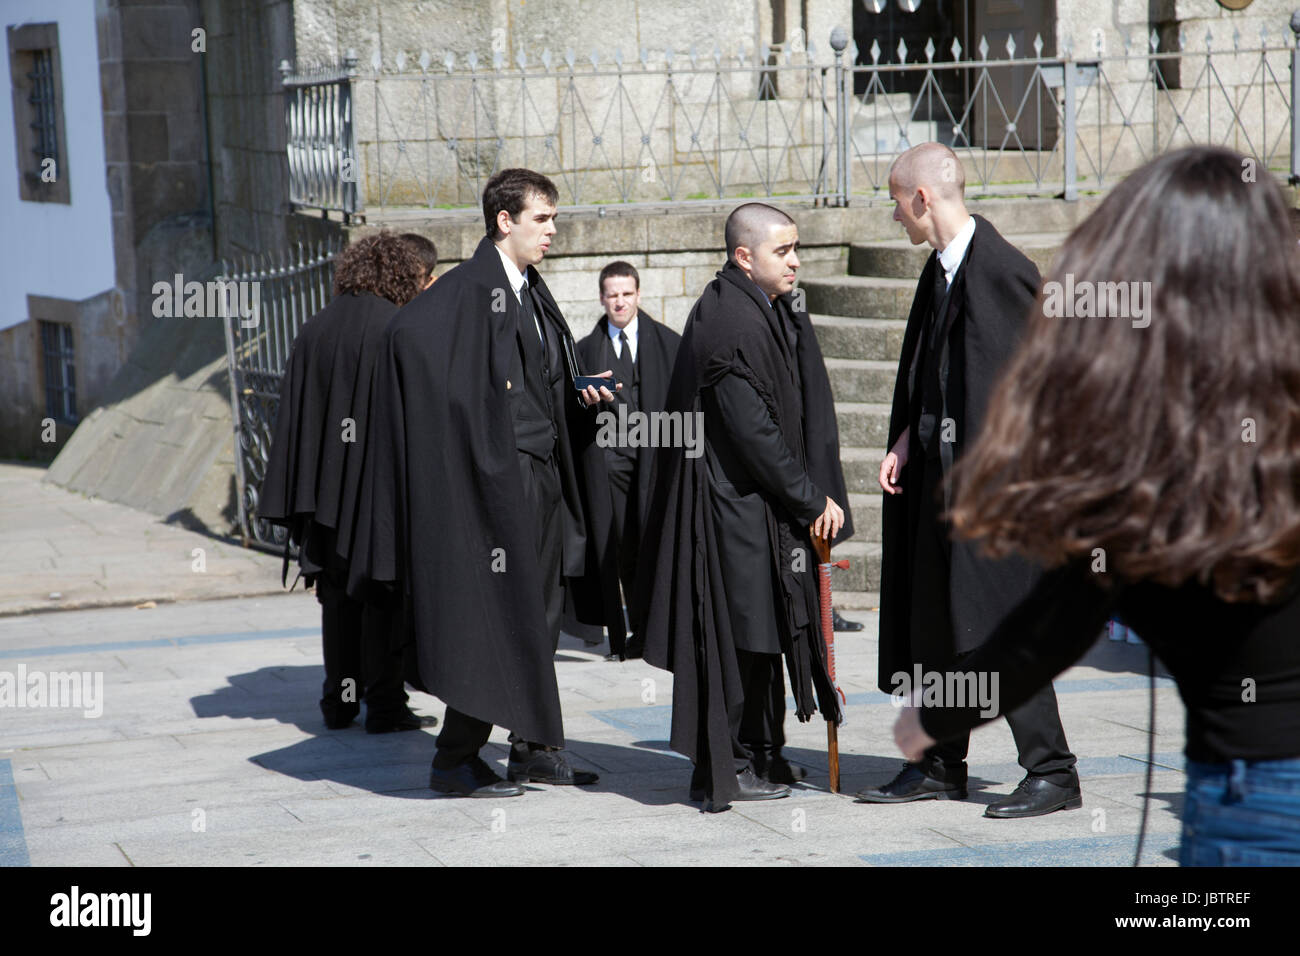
x=288 y=288
x=798 y=124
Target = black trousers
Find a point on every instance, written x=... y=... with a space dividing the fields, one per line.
x=622 y=479
x=758 y=721
x=463 y=736
x=363 y=657
x=1036 y=724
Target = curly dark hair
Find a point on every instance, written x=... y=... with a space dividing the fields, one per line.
x=382 y=265
x=1175 y=447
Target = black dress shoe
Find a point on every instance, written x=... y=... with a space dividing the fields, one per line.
x=408 y=721
x=752 y=787
x=339 y=719
x=1035 y=796
x=634 y=649
x=473 y=778
x=914 y=784
x=841 y=624
x=548 y=766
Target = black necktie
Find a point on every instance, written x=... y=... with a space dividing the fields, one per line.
x=526 y=302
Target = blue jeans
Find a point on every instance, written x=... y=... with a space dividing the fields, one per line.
x=1242 y=813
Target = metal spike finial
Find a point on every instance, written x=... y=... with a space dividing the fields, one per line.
x=473 y=61
x=956 y=50
x=1154 y=40
x=618 y=57
x=929 y=50
x=764 y=53
x=1209 y=39
x=644 y=58
x=375 y=61
x=498 y=60
x=569 y=57
x=1067 y=46
x=1038 y=45
x=1011 y=47
x=449 y=60
x=984 y=48
x=717 y=55
x=901 y=50
x=811 y=50
x=1236 y=38
x=1128 y=43
x=875 y=6
x=875 y=52
x=692 y=55
x=1263 y=35
x=594 y=57
x=401 y=61
x=1182 y=39
x=424 y=61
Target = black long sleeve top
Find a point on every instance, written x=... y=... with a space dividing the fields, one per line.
x=1237 y=666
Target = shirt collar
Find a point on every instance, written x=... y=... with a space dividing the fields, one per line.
x=513 y=275
x=952 y=254
x=630 y=329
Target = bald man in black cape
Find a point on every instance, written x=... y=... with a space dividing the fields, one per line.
x=478 y=492
x=940 y=599
x=313 y=475
x=729 y=585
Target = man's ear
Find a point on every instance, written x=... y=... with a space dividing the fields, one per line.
x=744 y=258
x=922 y=200
x=504 y=225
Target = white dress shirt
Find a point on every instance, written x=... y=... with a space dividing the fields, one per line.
x=955 y=251
x=630 y=329
x=517 y=282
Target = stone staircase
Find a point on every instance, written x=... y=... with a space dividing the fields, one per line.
x=860 y=318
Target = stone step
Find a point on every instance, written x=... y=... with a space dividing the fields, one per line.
x=878 y=340
x=862 y=470
x=862 y=424
x=862 y=380
x=866 y=516
x=900 y=259
x=863 y=572
x=856 y=601
x=867 y=297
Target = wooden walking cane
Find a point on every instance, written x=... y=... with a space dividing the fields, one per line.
x=822 y=548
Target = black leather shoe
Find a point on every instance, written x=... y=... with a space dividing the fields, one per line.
x=408 y=721
x=634 y=649
x=1035 y=796
x=752 y=787
x=914 y=784
x=548 y=766
x=473 y=778
x=842 y=624
x=340 y=718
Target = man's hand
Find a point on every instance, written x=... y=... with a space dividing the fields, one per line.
x=593 y=397
x=908 y=735
x=892 y=466
x=829 y=522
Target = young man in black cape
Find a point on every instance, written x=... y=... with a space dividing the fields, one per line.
x=313 y=475
x=940 y=599
x=478 y=490
x=729 y=581
x=641 y=352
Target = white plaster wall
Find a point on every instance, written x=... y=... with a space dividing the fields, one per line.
x=55 y=249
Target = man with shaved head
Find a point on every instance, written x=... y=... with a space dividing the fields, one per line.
x=731 y=585
x=940 y=599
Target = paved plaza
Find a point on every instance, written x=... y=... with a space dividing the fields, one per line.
x=209 y=749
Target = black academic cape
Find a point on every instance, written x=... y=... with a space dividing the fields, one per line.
x=655 y=355
x=444 y=519
x=990 y=299
x=681 y=604
x=312 y=475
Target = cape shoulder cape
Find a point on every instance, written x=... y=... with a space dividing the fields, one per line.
x=997 y=285
x=681 y=605
x=443 y=519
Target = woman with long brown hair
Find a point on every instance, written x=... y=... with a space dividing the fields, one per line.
x=1144 y=444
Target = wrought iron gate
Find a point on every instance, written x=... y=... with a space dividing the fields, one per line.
x=285 y=290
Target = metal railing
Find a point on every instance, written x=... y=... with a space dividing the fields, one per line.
x=288 y=288
x=796 y=123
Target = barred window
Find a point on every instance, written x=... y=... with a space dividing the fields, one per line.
x=38 y=112
x=60 y=371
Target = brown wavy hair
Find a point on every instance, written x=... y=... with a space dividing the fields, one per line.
x=1174 y=447
x=382 y=265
